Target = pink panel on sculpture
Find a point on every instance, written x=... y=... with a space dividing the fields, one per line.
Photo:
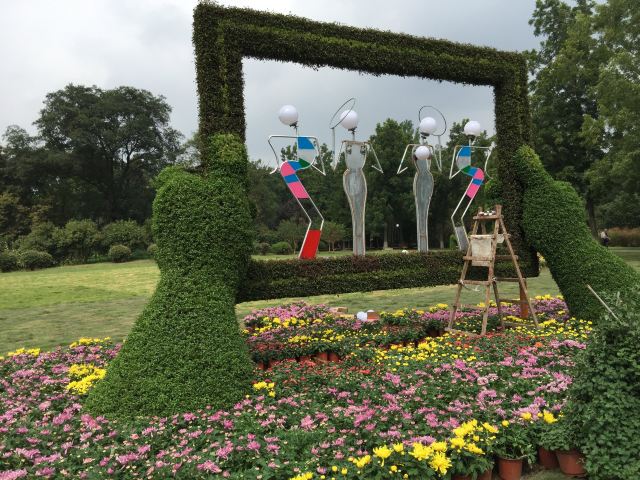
x=298 y=190
x=472 y=189
x=286 y=169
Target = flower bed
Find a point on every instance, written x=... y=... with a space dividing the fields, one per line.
x=442 y=407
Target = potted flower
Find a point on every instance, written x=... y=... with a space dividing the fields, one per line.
x=544 y=434
x=513 y=445
x=559 y=438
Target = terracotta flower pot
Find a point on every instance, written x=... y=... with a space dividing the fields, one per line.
x=261 y=365
x=487 y=475
x=461 y=477
x=334 y=357
x=322 y=357
x=571 y=462
x=547 y=458
x=305 y=358
x=510 y=469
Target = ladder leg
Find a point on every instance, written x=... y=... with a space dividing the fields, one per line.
x=485 y=314
x=455 y=306
x=498 y=303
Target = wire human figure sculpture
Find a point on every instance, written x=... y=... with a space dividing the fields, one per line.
x=353 y=180
x=422 y=153
x=462 y=161
x=307 y=149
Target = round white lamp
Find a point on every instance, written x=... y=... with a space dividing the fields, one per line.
x=362 y=316
x=288 y=115
x=422 y=152
x=428 y=126
x=472 y=128
x=349 y=119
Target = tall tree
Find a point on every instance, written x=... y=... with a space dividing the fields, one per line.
x=565 y=70
x=113 y=141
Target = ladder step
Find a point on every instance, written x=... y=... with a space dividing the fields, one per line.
x=475 y=282
x=477 y=259
x=506 y=257
x=486 y=217
x=511 y=300
x=507 y=279
x=469 y=305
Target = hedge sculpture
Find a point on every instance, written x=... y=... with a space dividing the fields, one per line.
x=555 y=223
x=185 y=351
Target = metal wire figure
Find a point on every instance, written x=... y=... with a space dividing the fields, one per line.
x=462 y=160
x=307 y=149
x=353 y=180
x=421 y=154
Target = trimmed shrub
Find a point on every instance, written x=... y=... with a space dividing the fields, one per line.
x=223 y=36
x=281 y=248
x=330 y=275
x=604 y=399
x=34 y=259
x=123 y=232
x=152 y=250
x=8 y=261
x=119 y=253
x=77 y=240
x=555 y=223
x=264 y=248
x=185 y=351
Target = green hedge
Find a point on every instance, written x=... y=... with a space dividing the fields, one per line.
x=185 y=351
x=555 y=223
x=223 y=36
x=297 y=278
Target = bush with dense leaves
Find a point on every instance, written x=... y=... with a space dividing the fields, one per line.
x=40 y=238
x=34 y=259
x=185 y=351
x=152 y=250
x=123 y=232
x=77 y=241
x=604 y=400
x=555 y=223
x=119 y=253
x=281 y=248
x=8 y=261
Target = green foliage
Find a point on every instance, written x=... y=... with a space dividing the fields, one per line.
x=119 y=253
x=8 y=261
x=222 y=36
x=41 y=237
x=281 y=248
x=185 y=351
x=291 y=232
x=333 y=232
x=14 y=219
x=123 y=232
x=77 y=240
x=604 y=398
x=263 y=248
x=152 y=250
x=327 y=275
x=34 y=259
x=555 y=223
x=624 y=237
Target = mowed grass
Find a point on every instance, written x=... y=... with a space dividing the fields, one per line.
x=56 y=306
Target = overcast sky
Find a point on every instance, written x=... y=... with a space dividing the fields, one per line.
x=146 y=44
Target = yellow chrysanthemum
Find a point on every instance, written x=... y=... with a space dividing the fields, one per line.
x=440 y=463
x=421 y=452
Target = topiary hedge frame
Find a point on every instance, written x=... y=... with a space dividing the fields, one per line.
x=222 y=36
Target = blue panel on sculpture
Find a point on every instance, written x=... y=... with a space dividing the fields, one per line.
x=304 y=143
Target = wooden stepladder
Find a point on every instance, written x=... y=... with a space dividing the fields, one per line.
x=482 y=252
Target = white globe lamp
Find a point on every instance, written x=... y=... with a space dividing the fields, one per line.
x=349 y=119
x=422 y=152
x=472 y=128
x=428 y=126
x=288 y=115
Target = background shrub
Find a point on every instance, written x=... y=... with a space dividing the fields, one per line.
x=281 y=248
x=152 y=250
x=119 y=253
x=40 y=238
x=8 y=261
x=124 y=232
x=77 y=241
x=555 y=223
x=34 y=259
x=624 y=237
x=264 y=248
x=604 y=399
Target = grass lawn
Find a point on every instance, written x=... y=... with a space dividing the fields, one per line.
x=55 y=306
